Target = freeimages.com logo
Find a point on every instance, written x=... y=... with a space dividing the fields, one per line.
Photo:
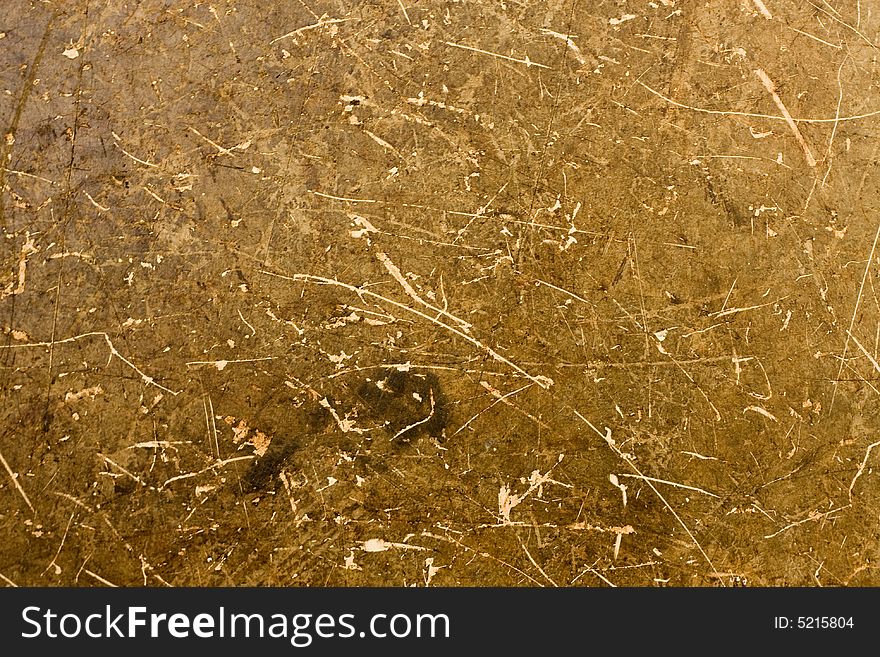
x=300 y=629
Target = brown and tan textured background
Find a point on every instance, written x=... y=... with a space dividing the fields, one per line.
x=439 y=292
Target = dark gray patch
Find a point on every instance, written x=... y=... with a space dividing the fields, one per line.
x=264 y=471
x=408 y=403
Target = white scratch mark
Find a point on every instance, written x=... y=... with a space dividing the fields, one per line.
x=528 y=62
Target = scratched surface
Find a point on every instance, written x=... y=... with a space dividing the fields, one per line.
x=439 y=293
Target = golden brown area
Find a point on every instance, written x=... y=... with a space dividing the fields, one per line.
x=439 y=293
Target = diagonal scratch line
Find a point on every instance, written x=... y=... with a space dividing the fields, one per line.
x=114 y=464
x=844 y=23
x=672 y=483
x=528 y=62
x=16 y=484
x=535 y=563
x=812 y=517
x=799 y=137
x=647 y=480
x=852 y=321
x=865 y=351
x=480 y=553
x=419 y=422
x=144 y=377
x=543 y=381
x=305 y=28
x=398 y=276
